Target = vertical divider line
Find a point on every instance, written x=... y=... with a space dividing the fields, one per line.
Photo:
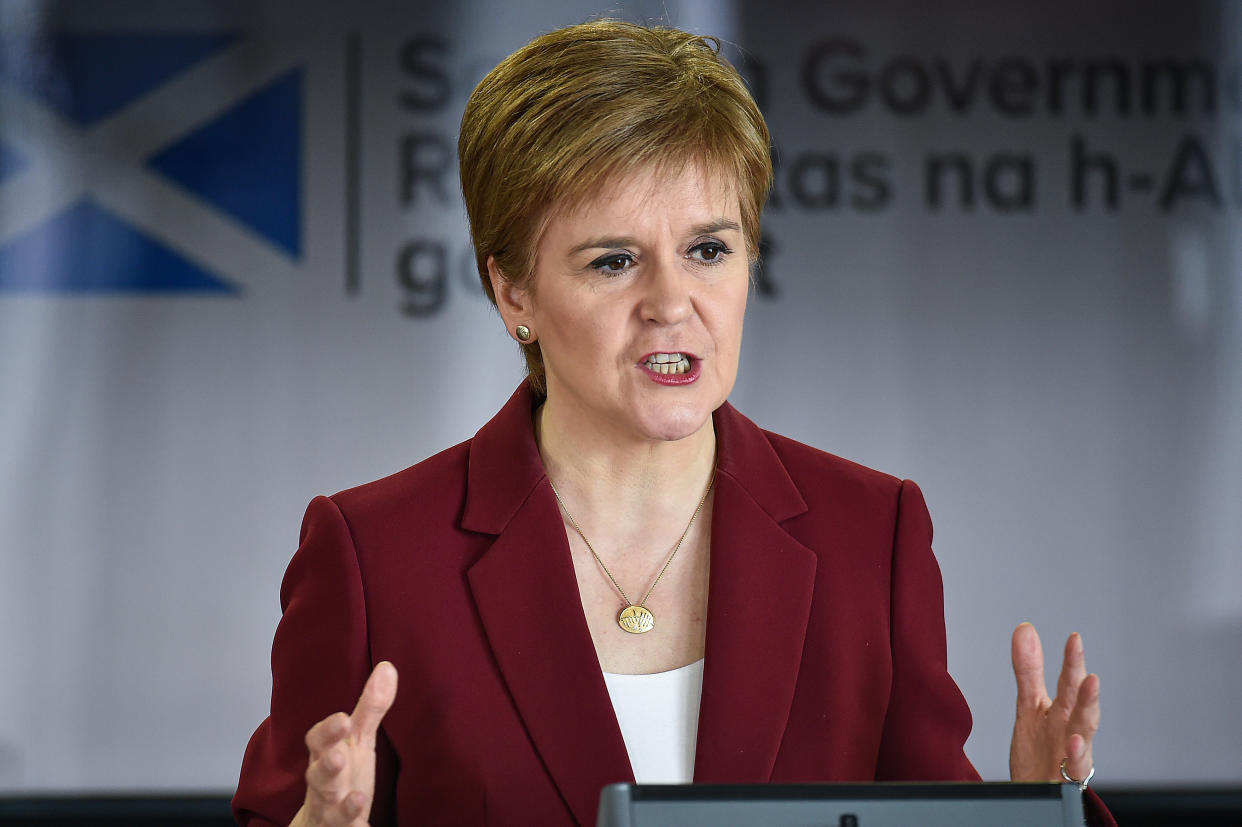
x=353 y=163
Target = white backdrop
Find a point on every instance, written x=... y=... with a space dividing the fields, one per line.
x=1003 y=260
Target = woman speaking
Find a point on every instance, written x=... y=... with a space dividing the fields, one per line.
x=620 y=577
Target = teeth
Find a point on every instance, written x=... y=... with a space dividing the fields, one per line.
x=666 y=363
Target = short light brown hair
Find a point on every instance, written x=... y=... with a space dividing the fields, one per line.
x=582 y=105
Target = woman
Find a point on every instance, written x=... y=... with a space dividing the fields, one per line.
x=620 y=576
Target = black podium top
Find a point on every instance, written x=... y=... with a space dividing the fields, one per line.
x=841 y=805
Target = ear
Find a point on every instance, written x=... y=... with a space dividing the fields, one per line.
x=514 y=303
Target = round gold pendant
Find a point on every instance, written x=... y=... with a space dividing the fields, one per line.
x=636 y=620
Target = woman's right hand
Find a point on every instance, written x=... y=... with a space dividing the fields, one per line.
x=340 y=781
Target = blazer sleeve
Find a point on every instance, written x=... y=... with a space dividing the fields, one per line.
x=927 y=721
x=320 y=660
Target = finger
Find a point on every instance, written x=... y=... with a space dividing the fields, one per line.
x=322 y=736
x=327 y=788
x=1073 y=670
x=324 y=776
x=1083 y=723
x=377 y=696
x=1078 y=762
x=353 y=808
x=1028 y=667
x=344 y=813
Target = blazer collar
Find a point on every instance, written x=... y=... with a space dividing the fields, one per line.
x=525 y=590
x=505 y=465
x=744 y=453
x=760 y=587
x=759 y=601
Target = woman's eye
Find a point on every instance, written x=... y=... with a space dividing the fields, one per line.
x=615 y=263
x=709 y=251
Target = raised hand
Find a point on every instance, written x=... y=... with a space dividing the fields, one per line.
x=340 y=781
x=1047 y=730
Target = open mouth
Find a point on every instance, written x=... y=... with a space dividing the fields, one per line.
x=667 y=363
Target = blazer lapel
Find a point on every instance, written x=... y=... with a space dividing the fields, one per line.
x=526 y=594
x=760 y=590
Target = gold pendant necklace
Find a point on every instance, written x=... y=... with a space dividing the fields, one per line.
x=636 y=618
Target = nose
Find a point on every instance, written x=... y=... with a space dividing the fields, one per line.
x=667 y=293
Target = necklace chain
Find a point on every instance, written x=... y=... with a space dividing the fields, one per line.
x=595 y=554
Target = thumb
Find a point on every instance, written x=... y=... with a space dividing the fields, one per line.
x=1028 y=666
x=376 y=698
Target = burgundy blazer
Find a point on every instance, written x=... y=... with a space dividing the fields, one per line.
x=825 y=648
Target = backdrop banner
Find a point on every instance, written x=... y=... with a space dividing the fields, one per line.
x=1002 y=258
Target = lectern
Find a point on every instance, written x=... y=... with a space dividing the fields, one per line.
x=841 y=805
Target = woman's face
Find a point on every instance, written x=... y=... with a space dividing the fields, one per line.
x=638 y=299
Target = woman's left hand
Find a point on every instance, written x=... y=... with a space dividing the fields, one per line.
x=1047 y=730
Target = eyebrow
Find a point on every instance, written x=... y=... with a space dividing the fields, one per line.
x=611 y=242
x=716 y=226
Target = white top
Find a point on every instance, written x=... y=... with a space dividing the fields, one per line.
x=659 y=718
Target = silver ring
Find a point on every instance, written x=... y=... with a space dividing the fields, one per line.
x=1082 y=785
